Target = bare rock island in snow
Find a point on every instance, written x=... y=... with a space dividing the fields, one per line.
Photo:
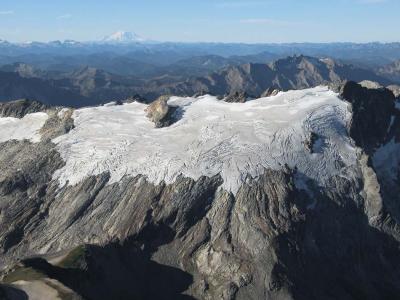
x=160 y=113
x=195 y=197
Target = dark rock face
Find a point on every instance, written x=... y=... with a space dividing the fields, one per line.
x=20 y=108
x=12 y=293
x=117 y=272
x=372 y=111
x=237 y=97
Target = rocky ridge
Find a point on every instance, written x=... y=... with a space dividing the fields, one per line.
x=88 y=86
x=20 y=108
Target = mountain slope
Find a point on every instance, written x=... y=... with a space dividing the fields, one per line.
x=13 y=86
x=288 y=197
x=88 y=85
x=391 y=71
x=297 y=72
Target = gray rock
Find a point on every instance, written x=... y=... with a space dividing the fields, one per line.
x=59 y=122
x=237 y=97
x=370 y=84
x=270 y=92
x=160 y=112
x=20 y=108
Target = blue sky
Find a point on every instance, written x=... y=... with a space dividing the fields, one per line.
x=249 y=21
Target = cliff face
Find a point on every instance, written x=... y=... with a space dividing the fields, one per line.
x=285 y=232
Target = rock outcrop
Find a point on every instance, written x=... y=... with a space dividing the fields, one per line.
x=160 y=113
x=20 y=108
x=270 y=92
x=370 y=84
x=237 y=97
x=372 y=112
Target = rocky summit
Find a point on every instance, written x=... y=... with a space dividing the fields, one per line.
x=290 y=196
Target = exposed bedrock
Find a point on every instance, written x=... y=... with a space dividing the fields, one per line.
x=20 y=108
x=271 y=240
x=237 y=97
x=375 y=127
x=372 y=110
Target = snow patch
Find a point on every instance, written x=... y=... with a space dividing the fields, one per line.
x=26 y=128
x=392 y=119
x=386 y=160
x=235 y=140
x=123 y=37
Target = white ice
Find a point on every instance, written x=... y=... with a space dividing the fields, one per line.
x=20 y=129
x=397 y=104
x=212 y=137
x=386 y=160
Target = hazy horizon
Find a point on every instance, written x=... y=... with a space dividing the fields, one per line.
x=208 y=21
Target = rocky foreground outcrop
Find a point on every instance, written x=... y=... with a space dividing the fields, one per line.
x=20 y=108
x=280 y=236
x=160 y=113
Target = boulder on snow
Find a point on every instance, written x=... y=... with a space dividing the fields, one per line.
x=160 y=113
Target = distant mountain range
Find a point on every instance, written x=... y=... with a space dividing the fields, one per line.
x=391 y=71
x=164 y=53
x=296 y=72
x=88 y=85
x=49 y=91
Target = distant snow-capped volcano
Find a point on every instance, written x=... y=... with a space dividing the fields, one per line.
x=123 y=37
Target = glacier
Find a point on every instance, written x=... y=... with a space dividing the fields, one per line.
x=236 y=140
